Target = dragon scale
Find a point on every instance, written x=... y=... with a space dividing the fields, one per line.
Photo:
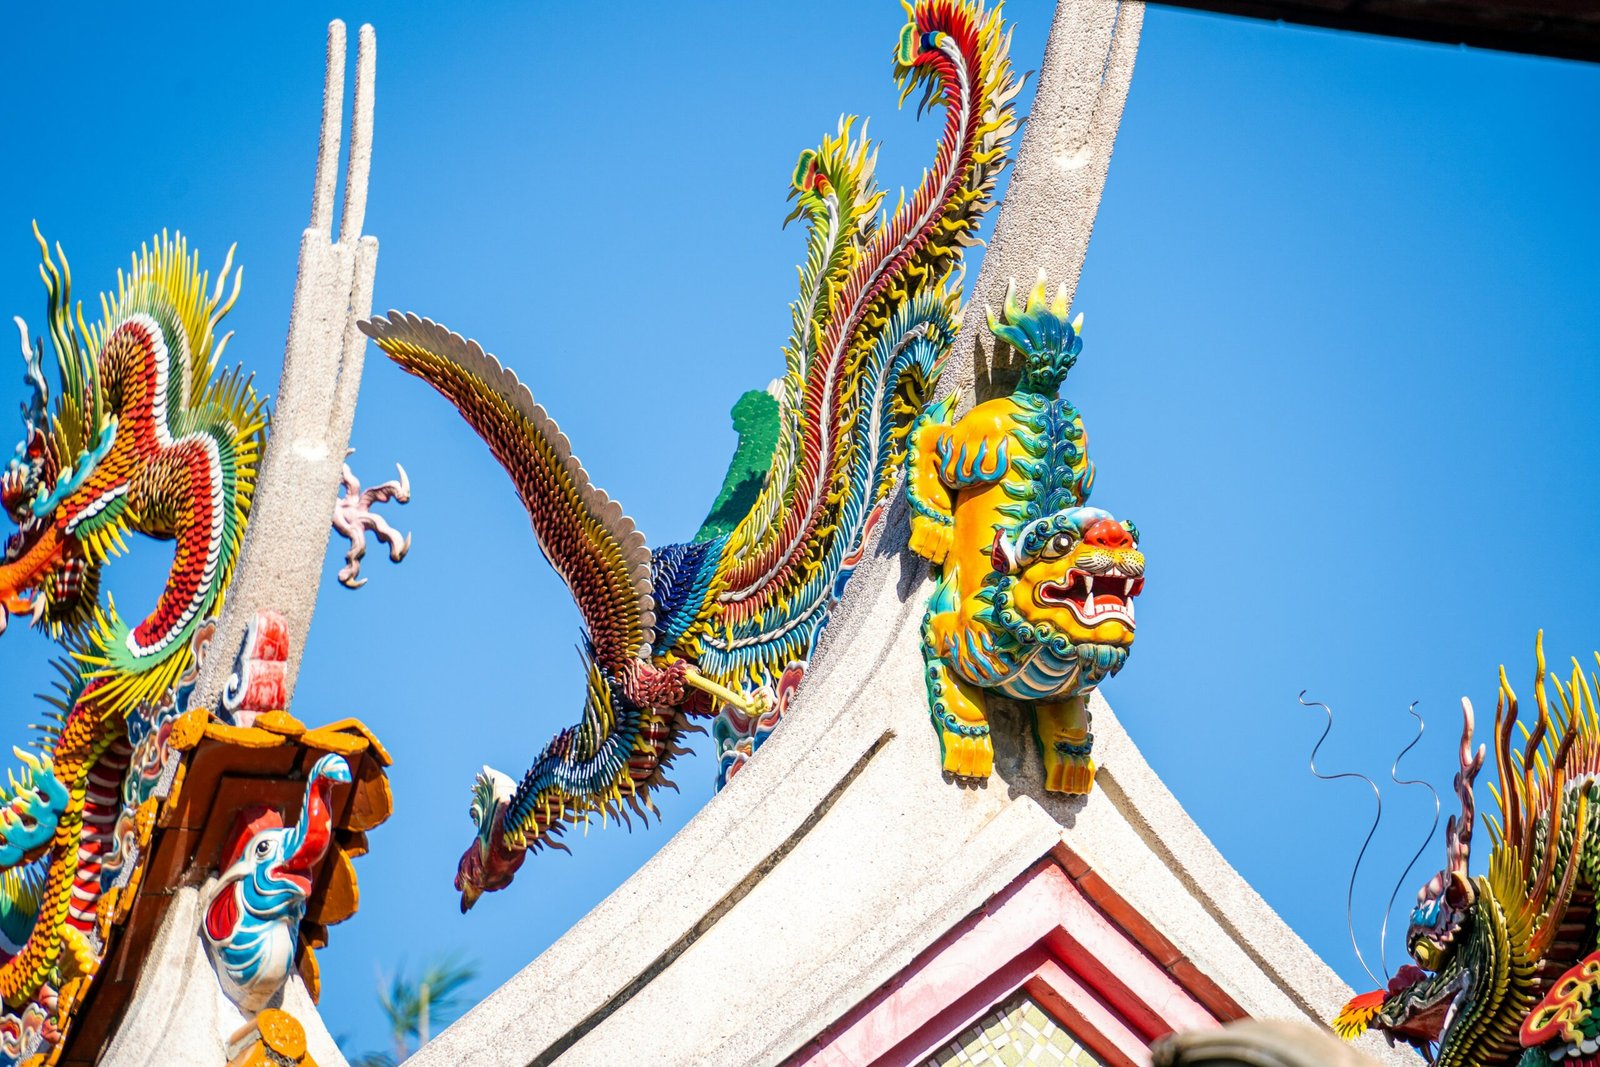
x=145 y=436
x=1506 y=964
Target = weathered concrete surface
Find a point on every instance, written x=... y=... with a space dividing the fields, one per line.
x=179 y=1017
x=1060 y=171
x=841 y=852
x=838 y=855
x=280 y=563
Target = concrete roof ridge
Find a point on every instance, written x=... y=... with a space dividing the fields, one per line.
x=1155 y=813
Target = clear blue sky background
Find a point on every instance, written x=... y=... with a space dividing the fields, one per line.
x=1340 y=369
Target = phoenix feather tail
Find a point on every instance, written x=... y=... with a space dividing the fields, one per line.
x=719 y=623
x=875 y=317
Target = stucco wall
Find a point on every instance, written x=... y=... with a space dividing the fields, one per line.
x=179 y=1016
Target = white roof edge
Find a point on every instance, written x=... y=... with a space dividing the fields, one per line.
x=843 y=852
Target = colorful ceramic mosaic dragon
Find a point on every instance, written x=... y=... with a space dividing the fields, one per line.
x=1508 y=963
x=143 y=436
x=729 y=619
x=1035 y=592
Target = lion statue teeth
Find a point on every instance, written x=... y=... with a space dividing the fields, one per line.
x=1035 y=591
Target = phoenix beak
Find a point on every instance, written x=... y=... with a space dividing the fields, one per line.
x=469 y=897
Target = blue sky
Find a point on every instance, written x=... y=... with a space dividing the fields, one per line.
x=1339 y=367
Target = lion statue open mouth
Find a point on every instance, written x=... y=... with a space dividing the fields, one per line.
x=1035 y=590
x=1082 y=582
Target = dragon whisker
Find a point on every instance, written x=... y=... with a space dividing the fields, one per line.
x=1350 y=892
x=1394 y=772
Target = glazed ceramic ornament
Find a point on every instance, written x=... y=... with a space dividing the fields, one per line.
x=722 y=627
x=252 y=922
x=1506 y=962
x=1035 y=592
x=138 y=430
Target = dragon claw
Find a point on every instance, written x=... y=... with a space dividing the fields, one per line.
x=16 y=604
x=969 y=757
x=353 y=516
x=762 y=701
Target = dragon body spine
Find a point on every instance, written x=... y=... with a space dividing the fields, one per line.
x=146 y=436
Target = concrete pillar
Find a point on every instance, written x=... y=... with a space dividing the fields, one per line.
x=1060 y=169
x=280 y=565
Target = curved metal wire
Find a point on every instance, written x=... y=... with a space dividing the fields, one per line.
x=1350 y=893
x=1394 y=772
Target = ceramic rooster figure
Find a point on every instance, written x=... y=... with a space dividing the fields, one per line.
x=724 y=624
x=253 y=920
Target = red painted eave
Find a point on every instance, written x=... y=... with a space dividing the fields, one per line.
x=1565 y=29
x=1063 y=935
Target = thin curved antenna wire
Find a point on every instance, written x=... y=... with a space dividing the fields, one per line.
x=1394 y=771
x=1350 y=893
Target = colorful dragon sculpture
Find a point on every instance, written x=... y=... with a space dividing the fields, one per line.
x=1507 y=964
x=1035 y=593
x=144 y=436
x=728 y=619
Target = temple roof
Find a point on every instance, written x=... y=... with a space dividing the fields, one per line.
x=1542 y=27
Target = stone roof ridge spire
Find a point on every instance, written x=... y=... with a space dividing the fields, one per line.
x=280 y=567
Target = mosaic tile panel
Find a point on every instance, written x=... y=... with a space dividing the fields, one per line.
x=1016 y=1032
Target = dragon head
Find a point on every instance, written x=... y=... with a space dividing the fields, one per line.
x=1486 y=948
x=487 y=864
x=1071 y=578
x=1425 y=999
x=1427 y=1002
x=253 y=920
x=44 y=570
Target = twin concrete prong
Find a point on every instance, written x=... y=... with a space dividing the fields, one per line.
x=316 y=401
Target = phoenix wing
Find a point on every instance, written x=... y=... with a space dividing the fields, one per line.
x=591 y=544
